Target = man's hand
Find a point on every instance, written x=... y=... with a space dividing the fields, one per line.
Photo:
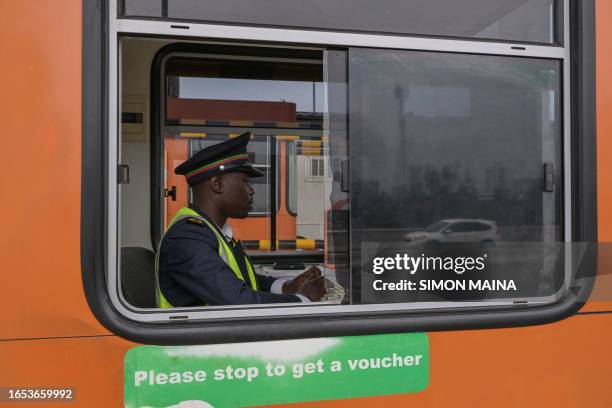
x=294 y=285
x=313 y=289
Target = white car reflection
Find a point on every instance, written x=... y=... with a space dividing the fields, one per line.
x=456 y=230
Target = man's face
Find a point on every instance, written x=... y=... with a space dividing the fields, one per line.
x=237 y=194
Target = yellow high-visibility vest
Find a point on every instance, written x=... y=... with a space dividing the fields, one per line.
x=225 y=252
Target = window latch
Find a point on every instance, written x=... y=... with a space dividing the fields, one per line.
x=170 y=193
x=549 y=177
x=123 y=174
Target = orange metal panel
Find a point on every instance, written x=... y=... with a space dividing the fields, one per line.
x=604 y=118
x=565 y=364
x=251 y=228
x=42 y=294
x=92 y=366
x=602 y=295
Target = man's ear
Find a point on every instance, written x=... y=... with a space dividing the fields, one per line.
x=216 y=183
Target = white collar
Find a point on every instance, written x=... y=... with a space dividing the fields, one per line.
x=227 y=231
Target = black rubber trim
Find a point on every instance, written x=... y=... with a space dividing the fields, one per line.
x=155 y=151
x=584 y=141
x=94 y=218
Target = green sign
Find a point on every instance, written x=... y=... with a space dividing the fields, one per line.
x=276 y=372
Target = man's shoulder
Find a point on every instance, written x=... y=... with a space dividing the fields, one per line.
x=195 y=220
x=186 y=244
x=191 y=228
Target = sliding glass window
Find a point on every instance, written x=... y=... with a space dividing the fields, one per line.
x=533 y=21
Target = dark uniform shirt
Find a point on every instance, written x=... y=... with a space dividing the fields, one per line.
x=191 y=272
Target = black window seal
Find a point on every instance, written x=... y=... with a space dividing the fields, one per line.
x=94 y=218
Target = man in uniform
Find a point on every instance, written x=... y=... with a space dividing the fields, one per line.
x=198 y=260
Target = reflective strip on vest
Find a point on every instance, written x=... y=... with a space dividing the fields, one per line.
x=225 y=252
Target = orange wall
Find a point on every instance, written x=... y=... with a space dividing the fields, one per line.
x=40 y=276
x=562 y=365
x=604 y=119
x=601 y=298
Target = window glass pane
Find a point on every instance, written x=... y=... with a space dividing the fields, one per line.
x=211 y=99
x=259 y=156
x=513 y=20
x=436 y=226
x=281 y=102
x=231 y=95
x=142 y=8
x=459 y=227
x=231 y=92
x=179 y=147
x=449 y=148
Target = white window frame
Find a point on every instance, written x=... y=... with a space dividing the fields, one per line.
x=180 y=30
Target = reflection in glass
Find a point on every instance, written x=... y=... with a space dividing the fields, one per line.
x=142 y=8
x=281 y=101
x=451 y=148
x=443 y=138
x=512 y=20
x=207 y=91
